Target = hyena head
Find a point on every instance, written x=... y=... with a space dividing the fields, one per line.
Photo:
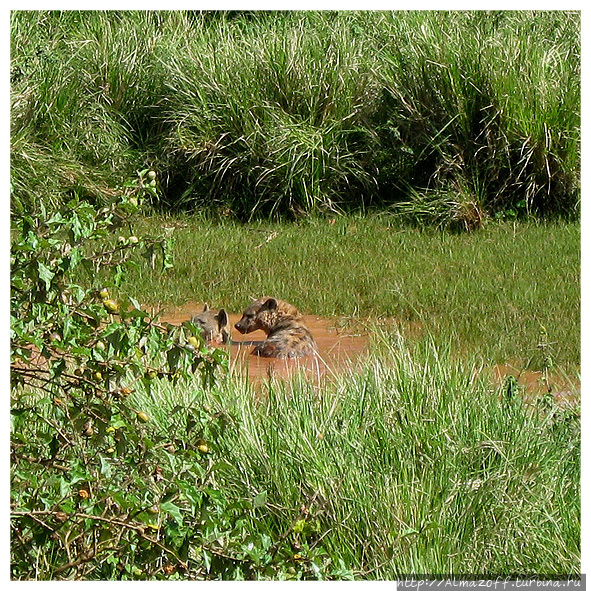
x=264 y=314
x=214 y=327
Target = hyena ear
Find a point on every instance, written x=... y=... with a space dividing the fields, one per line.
x=205 y=308
x=222 y=318
x=270 y=304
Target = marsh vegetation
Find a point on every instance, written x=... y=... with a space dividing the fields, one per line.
x=415 y=174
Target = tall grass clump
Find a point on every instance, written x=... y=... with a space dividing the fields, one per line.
x=264 y=116
x=287 y=113
x=488 y=102
x=409 y=465
x=82 y=100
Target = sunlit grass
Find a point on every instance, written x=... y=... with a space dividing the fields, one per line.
x=489 y=292
x=293 y=112
x=410 y=464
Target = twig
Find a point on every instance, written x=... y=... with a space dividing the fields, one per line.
x=117 y=522
x=45 y=462
x=82 y=558
x=304 y=512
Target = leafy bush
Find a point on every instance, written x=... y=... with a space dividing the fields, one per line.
x=128 y=501
x=81 y=449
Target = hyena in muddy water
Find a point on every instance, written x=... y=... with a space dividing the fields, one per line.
x=214 y=326
x=287 y=335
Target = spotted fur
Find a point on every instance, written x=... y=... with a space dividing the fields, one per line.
x=287 y=334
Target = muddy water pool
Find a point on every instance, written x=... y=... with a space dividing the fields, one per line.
x=344 y=345
x=340 y=346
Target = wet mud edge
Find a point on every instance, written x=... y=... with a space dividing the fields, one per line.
x=342 y=348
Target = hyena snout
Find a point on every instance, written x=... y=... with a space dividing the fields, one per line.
x=242 y=326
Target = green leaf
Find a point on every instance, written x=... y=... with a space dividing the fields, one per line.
x=106 y=468
x=64 y=488
x=299 y=526
x=45 y=274
x=260 y=500
x=167 y=249
x=173 y=511
x=206 y=561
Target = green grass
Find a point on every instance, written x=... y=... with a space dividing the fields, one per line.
x=408 y=465
x=285 y=113
x=488 y=292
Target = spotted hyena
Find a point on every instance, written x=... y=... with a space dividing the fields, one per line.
x=214 y=327
x=287 y=335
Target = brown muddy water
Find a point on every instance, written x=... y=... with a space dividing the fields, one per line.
x=340 y=347
x=564 y=391
x=343 y=345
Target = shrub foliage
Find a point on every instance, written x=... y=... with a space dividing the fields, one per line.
x=83 y=452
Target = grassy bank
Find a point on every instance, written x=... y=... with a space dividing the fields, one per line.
x=407 y=466
x=410 y=465
x=284 y=113
x=489 y=293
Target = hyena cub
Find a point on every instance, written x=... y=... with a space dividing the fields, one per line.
x=214 y=327
x=287 y=335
